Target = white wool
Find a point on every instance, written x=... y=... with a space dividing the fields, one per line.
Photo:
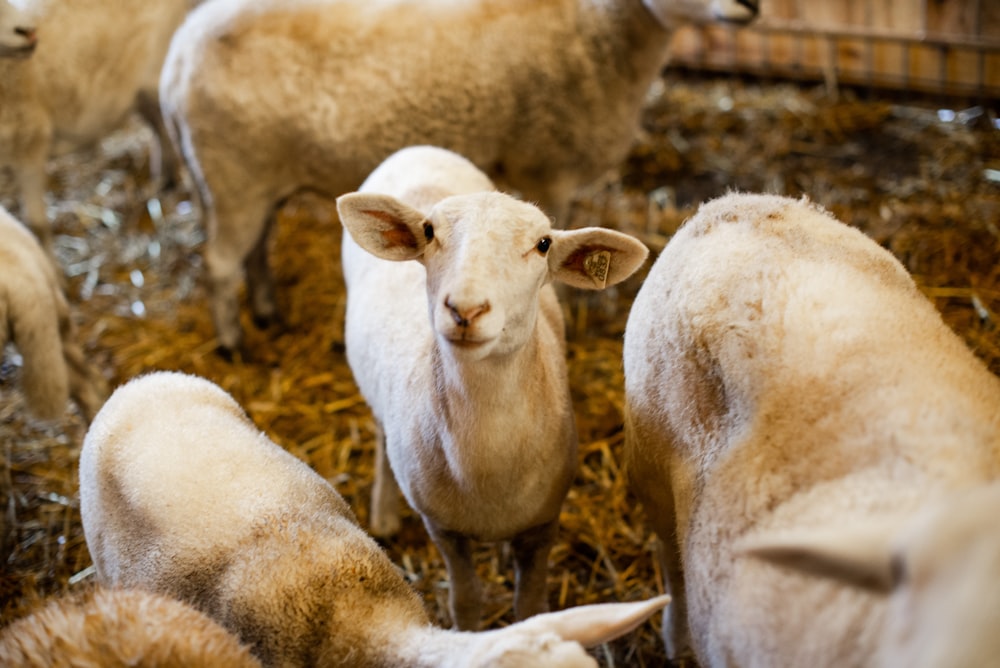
x=783 y=372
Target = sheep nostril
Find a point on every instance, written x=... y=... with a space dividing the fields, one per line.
x=463 y=317
x=28 y=33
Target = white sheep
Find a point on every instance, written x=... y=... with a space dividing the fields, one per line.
x=35 y=316
x=118 y=628
x=181 y=494
x=270 y=97
x=940 y=570
x=17 y=32
x=95 y=61
x=783 y=371
x=473 y=402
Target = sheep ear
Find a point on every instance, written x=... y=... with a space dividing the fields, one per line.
x=383 y=226
x=593 y=257
x=591 y=625
x=857 y=556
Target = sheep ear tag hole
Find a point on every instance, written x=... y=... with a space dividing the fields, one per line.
x=596 y=265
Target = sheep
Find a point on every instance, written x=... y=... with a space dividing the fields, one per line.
x=117 y=628
x=784 y=372
x=35 y=316
x=17 y=32
x=266 y=98
x=95 y=61
x=472 y=402
x=940 y=570
x=181 y=494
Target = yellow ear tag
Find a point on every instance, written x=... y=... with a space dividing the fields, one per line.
x=596 y=265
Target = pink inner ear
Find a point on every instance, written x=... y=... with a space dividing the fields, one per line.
x=395 y=234
x=399 y=236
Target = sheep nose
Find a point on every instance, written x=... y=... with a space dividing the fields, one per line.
x=464 y=316
x=28 y=33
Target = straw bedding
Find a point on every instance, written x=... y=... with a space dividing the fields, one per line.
x=919 y=185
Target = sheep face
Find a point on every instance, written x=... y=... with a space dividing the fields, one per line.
x=17 y=32
x=487 y=256
x=670 y=13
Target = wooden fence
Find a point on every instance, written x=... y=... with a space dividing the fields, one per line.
x=949 y=47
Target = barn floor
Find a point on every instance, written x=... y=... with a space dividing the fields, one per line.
x=923 y=184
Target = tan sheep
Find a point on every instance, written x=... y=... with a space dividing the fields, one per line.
x=117 y=628
x=783 y=372
x=456 y=340
x=95 y=61
x=181 y=494
x=270 y=97
x=35 y=316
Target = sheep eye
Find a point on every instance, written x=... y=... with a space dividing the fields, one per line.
x=428 y=231
x=543 y=245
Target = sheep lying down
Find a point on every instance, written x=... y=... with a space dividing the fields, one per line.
x=182 y=495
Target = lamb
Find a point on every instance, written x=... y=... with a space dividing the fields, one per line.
x=266 y=98
x=473 y=402
x=939 y=570
x=35 y=316
x=116 y=628
x=96 y=60
x=181 y=494
x=784 y=373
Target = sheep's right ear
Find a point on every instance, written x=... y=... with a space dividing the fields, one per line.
x=594 y=258
x=593 y=624
x=383 y=226
x=860 y=556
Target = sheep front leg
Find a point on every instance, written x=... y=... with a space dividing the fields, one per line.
x=31 y=182
x=531 y=566
x=384 y=517
x=465 y=596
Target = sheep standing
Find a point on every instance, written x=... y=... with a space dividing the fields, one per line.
x=115 y=628
x=96 y=60
x=940 y=570
x=181 y=494
x=269 y=97
x=782 y=371
x=35 y=316
x=472 y=402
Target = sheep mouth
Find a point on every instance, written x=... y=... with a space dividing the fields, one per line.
x=18 y=51
x=466 y=344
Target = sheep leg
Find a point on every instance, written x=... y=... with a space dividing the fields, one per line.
x=260 y=282
x=675 y=630
x=384 y=520
x=531 y=566
x=164 y=163
x=235 y=227
x=465 y=596
x=31 y=182
x=86 y=387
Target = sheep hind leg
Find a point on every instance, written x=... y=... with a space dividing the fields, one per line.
x=384 y=519
x=236 y=226
x=260 y=281
x=465 y=595
x=531 y=555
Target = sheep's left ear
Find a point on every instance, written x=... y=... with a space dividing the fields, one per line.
x=592 y=624
x=593 y=257
x=383 y=226
x=860 y=556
